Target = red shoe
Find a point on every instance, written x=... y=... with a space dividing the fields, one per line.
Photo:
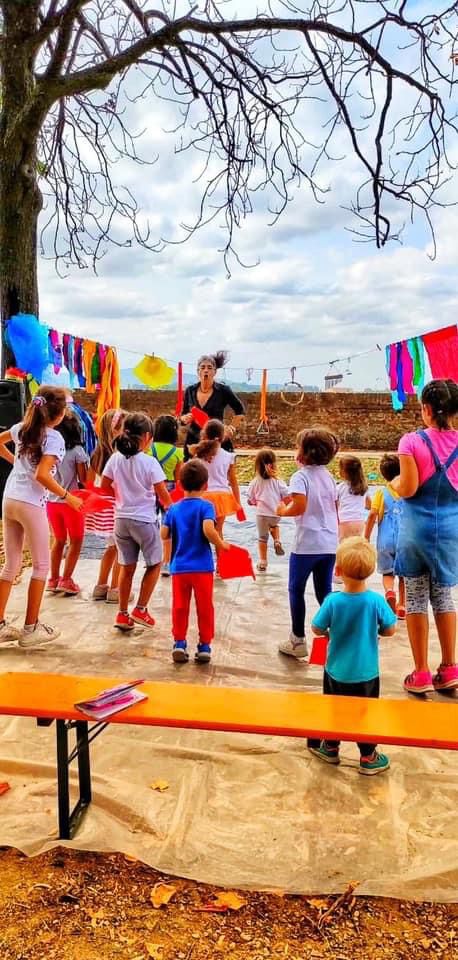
x=124 y=621
x=52 y=586
x=390 y=598
x=401 y=612
x=68 y=586
x=143 y=617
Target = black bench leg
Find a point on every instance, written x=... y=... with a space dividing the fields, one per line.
x=62 y=779
x=70 y=821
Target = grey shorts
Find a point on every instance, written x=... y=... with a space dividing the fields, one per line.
x=137 y=536
x=265 y=525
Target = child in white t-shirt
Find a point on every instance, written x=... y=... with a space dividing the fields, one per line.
x=313 y=505
x=265 y=492
x=352 y=499
x=223 y=488
x=135 y=480
x=39 y=449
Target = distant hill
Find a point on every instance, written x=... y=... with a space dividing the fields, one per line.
x=129 y=382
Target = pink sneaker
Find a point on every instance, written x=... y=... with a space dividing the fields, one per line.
x=420 y=681
x=446 y=678
x=68 y=586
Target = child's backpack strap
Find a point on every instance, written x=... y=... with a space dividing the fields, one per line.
x=169 y=454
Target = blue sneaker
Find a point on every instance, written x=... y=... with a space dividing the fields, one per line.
x=377 y=763
x=203 y=653
x=329 y=755
x=179 y=652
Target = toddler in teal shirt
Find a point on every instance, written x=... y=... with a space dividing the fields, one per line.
x=353 y=619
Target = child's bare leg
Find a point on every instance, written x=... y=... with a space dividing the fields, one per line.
x=106 y=564
x=73 y=555
x=388 y=582
x=126 y=575
x=446 y=628
x=418 y=632
x=57 y=553
x=149 y=581
x=115 y=573
x=262 y=547
x=275 y=531
x=402 y=592
x=166 y=550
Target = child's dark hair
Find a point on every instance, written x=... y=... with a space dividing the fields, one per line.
x=134 y=428
x=211 y=437
x=166 y=429
x=317 y=446
x=193 y=475
x=352 y=471
x=48 y=404
x=442 y=397
x=70 y=430
x=390 y=466
x=264 y=458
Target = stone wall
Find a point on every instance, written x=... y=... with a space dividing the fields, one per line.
x=362 y=421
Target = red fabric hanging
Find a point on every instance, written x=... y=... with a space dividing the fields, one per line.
x=442 y=349
x=179 y=404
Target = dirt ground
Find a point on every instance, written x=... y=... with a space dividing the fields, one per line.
x=71 y=905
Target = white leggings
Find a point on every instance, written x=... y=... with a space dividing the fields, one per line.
x=423 y=590
x=24 y=520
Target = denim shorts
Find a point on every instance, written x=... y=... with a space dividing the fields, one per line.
x=385 y=561
x=137 y=536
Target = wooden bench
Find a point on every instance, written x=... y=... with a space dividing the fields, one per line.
x=282 y=713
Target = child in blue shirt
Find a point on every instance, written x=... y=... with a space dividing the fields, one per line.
x=353 y=619
x=190 y=524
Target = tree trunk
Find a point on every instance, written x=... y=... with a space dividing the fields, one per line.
x=20 y=197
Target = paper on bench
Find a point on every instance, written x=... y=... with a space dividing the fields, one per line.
x=108 y=702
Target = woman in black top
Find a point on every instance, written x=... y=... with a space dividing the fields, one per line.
x=211 y=397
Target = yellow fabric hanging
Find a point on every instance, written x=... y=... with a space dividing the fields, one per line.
x=154 y=372
x=110 y=388
x=89 y=348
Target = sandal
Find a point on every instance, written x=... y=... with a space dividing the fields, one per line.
x=261 y=566
x=278 y=548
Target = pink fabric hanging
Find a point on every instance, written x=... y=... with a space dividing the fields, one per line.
x=407 y=368
x=393 y=371
x=442 y=349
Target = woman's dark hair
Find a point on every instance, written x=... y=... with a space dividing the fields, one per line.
x=442 y=397
x=264 y=458
x=211 y=437
x=317 y=446
x=48 y=404
x=134 y=428
x=352 y=470
x=193 y=475
x=390 y=466
x=218 y=359
x=70 y=430
x=166 y=429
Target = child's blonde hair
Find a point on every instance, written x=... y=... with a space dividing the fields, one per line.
x=356 y=558
x=110 y=424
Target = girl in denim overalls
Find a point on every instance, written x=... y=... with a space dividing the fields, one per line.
x=385 y=511
x=427 y=554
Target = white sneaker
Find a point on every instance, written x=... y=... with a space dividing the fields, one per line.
x=8 y=634
x=40 y=636
x=294 y=647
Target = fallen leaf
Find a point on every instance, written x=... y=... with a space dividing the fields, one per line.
x=4 y=787
x=229 y=900
x=130 y=858
x=160 y=785
x=319 y=904
x=154 y=950
x=161 y=894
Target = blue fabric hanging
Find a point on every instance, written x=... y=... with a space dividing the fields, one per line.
x=28 y=339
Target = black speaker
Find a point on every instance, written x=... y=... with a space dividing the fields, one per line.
x=12 y=407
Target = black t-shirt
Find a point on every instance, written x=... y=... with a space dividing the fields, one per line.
x=221 y=397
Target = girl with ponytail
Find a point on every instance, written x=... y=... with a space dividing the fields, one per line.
x=223 y=488
x=427 y=552
x=135 y=479
x=39 y=449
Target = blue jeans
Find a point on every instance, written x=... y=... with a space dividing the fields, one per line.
x=301 y=565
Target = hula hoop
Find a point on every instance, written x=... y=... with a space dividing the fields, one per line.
x=293 y=383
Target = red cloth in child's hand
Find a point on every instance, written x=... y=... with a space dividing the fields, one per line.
x=235 y=562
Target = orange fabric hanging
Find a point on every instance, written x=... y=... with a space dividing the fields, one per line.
x=263 y=418
x=89 y=348
x=110 y=388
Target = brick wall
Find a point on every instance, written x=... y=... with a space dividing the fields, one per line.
x=362 y=421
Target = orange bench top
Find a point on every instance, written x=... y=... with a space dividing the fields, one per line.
x=248 y=710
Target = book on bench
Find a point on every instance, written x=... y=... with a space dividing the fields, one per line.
x=111 y=701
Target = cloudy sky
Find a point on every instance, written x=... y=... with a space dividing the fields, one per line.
x=310 y=295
